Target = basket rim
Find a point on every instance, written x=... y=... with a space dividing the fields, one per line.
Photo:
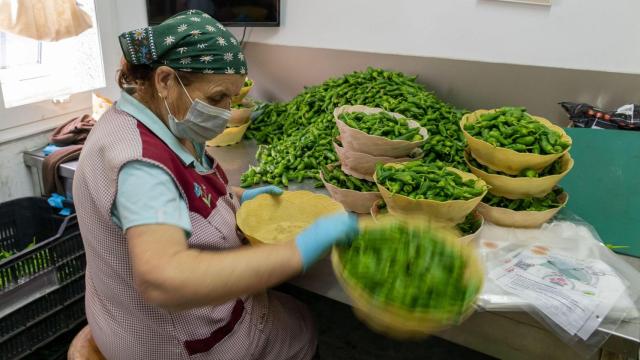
x=570 y=164
x=564 y=196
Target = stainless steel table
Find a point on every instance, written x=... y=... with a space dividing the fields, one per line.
x=34 y=159
x=512 y=335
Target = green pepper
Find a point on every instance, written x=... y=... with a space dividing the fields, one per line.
x=530 y=173
x=535 y=149
x=517 y=147
x=527 y=140
x=545 y=146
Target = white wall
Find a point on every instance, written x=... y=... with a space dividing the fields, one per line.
x=574 y=34
x=15 y=179
x=117 y=16
x=571 y=34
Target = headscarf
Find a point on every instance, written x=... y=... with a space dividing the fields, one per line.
x=188 y=41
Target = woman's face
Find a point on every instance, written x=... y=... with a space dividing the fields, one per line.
x=213 y=89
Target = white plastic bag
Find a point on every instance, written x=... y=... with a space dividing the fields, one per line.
x=554 y=272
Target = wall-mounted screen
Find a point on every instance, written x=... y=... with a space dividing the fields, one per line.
x=228 y=12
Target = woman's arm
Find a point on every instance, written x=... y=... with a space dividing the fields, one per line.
x=172 y=276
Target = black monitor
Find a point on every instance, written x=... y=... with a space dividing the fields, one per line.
x=237 y=13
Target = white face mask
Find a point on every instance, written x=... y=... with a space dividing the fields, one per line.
x=202 y=123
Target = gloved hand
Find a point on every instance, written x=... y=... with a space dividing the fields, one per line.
x=251 y=193
x=314 y=241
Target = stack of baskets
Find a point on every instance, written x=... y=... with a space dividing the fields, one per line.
x=502 y=170
x=359 y=153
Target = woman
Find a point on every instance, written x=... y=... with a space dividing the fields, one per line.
x=167 y=275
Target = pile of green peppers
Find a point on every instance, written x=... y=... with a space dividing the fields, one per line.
x=434 y=181
x=470 y=225
x=409 y=267
x=381 y=124
x=512 y=128
x=554 y=169
x=339 y=179
x=549 y=201
x=297 y=135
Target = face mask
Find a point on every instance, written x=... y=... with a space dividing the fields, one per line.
x=202 y=123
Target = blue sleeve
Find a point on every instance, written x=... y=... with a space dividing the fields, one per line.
x=147 y=195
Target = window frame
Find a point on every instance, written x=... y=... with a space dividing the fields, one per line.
x=38 y=117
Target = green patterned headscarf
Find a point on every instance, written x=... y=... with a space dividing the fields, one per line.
x=188 y=41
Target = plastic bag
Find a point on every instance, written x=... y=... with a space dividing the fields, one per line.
x=577 y=269
x=44 y=20
x=588 y=116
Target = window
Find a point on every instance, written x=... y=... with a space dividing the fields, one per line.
x=33 y=71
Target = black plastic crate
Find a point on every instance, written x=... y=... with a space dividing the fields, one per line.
x=43 y=332
x=42 y=284
x=26 y=221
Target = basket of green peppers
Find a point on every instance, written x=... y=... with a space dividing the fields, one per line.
x=432 y=190
x=529 y=212
x=407 y=279
x=377 y=132
x=354 y=194
x=510 y=140
x=468 y=229
x=529 y=183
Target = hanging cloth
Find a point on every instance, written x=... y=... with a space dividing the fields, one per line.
x=46 y=20
x=71 y=136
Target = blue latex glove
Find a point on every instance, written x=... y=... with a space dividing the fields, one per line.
x=50 y=149
x=251 y=193
x=57 y=201
x=319 y=237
